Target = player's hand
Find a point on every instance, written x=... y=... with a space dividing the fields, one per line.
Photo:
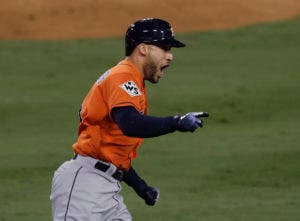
x=191 y=121
x=151 y=195
x=148 y=193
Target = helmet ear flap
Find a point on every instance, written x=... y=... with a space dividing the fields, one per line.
x=129 y=45
x=130 y=40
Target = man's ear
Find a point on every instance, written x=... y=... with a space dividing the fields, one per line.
x=143 y=49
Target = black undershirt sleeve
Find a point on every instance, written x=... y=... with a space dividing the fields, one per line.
x=134 y=124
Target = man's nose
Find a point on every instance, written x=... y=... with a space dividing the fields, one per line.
x=169 y=56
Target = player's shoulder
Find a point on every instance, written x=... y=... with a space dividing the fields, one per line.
x=125 y=67
x=126 y=77
x=125 y=71
x=112 y=75
x=123 y=75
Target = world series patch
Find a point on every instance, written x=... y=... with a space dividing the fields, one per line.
x=131 y=88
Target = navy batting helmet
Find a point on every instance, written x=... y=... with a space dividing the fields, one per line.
x=150 y=31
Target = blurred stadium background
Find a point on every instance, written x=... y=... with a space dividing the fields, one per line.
x=63 y=19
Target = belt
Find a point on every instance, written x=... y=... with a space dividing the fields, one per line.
x=118 y=174
x=108 y=168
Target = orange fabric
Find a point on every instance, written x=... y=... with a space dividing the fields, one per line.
x=98 y=135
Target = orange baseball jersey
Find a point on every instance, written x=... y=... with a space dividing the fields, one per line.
x=98 y=135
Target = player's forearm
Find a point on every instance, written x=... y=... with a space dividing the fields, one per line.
x=131 y=178
x=134 y=124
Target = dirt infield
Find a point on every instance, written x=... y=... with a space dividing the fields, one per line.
x=65 y=19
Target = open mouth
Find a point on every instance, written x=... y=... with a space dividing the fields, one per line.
x=164 y=67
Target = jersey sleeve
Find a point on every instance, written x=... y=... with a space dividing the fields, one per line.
x=123 y=90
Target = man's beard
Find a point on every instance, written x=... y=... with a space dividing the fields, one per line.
x=150 y=69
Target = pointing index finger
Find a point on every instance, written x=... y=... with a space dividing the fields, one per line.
x=200 y=114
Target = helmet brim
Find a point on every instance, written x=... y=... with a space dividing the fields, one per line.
x=171 y=42
x=177 y=44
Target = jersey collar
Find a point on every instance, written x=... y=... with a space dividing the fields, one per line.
x=135 y=71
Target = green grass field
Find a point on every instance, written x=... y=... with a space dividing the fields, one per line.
x=243 y=166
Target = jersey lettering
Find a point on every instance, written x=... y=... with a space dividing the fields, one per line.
x=102 y=77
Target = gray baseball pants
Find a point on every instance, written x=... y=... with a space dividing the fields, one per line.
x=80 y=192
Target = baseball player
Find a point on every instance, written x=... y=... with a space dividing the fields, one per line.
x=113 y=123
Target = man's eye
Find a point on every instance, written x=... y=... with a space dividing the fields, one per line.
x=165 y=47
